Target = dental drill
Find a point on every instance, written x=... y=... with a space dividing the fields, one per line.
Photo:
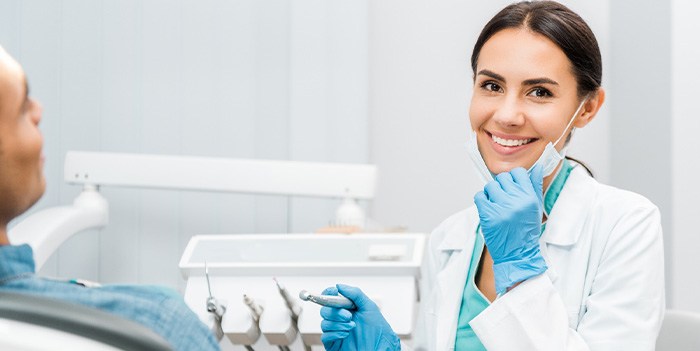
x=338 y=301
x=255 y=309
x=289 y=301
x=255 y=312
x=215 y=308
x=294 y=309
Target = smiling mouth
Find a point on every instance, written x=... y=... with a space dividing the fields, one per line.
x=511 y=142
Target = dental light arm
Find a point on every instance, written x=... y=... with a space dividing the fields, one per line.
x=46 y=230
x=314 y=179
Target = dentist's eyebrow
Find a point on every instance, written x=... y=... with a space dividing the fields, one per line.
x=538 y=81
x=491 y=74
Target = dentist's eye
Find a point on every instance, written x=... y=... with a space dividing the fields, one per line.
x=540 y=93
x=491 y=87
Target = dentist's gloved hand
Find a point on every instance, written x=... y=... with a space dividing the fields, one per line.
x=510 y=211
x=363 y=328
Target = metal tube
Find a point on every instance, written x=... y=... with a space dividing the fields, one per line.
x=255 y=309
x=293 y=307
x=337 y=301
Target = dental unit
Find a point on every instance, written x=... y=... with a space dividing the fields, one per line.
x=232 y=273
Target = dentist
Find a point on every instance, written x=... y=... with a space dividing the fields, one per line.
x=548 y=258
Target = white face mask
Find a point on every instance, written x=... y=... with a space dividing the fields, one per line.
x=549 y=160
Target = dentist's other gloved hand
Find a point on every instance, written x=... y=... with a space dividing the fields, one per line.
x=510 y=211
x=363 y=328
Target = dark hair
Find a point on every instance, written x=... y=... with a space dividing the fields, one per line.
x=560 y=25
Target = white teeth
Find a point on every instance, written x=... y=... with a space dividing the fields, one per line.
x=510 y=142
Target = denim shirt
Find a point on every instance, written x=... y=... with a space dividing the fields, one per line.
x=159 y=309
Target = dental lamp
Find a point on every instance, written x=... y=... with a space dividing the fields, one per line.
x=47 y=229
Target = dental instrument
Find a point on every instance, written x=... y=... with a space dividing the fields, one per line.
x=367 y=328
x=237 y=268
x=215 y=308
x=327 y=300
x=255 y=309
x=293 y=307
x=255 y=312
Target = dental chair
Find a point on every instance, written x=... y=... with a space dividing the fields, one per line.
x=34 y=323
x=680 y=332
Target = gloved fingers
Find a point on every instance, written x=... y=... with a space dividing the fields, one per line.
x=330 y=291
x=536 y=178
x=532 y=190
x=507 y=183
x=521 y=177
x=494 y=192
x=482 y=202
x=336 y=314
x=356 y=296
x=328 y=326
x=330 y=337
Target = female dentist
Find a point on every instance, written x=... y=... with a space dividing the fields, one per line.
x=578 y=266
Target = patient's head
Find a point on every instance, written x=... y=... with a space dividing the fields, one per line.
x=21 y=161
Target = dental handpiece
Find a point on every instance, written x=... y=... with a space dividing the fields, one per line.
x=293 y=307
x=214 y=307
x=327 y=300
x=255 y=312
x=255 y=309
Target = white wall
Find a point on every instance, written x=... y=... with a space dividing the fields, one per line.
x=640 y=103
x=685 y=128
x=273 y=79
x=386 y=82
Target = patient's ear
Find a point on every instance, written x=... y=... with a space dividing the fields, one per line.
x=590 y=108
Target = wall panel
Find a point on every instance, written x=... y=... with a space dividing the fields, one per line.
x=80 y=116
x=685 y=126
x=246 y=79
x=121 y=132
x=41 y=31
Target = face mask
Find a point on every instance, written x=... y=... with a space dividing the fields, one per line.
x=549 y=160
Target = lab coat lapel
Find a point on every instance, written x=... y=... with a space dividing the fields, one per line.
x=451 y=279
x=571 y=210
x=568 y=215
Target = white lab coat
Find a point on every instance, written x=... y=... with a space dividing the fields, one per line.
x=604 y=289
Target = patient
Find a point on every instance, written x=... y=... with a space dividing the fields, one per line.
x=22 y=183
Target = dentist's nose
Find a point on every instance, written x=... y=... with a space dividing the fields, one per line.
x=509 y=114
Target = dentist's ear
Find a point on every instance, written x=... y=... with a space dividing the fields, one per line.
x=590 y=108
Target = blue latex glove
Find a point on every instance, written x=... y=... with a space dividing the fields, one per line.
x=363 y=328
x=510 y=211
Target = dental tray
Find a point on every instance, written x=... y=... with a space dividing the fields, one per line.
x=304 y=254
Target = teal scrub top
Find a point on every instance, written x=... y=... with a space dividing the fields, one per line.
x=473 y=301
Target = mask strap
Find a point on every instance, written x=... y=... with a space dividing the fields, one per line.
x=571 y=120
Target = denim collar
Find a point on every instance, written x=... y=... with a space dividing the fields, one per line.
x=15 y=261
